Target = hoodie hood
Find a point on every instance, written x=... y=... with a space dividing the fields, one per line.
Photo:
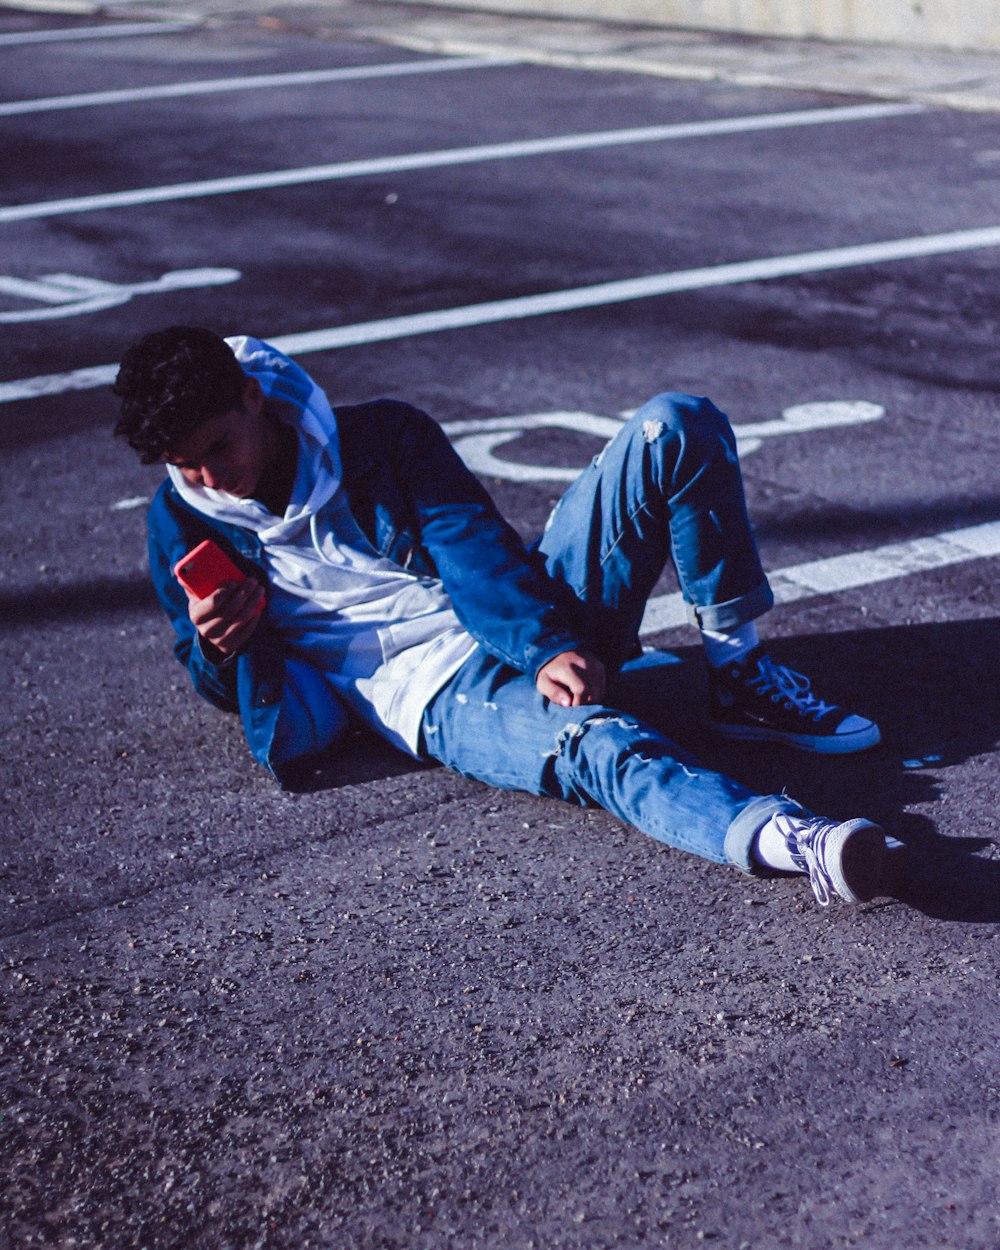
x=300 y=403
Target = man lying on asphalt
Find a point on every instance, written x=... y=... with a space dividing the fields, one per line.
x=384 y=585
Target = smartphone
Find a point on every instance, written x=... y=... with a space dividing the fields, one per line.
x=205 y=568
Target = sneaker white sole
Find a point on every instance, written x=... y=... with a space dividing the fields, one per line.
x=823 y=744
x=854 y=859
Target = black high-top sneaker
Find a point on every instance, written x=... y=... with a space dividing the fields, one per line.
x=758 y=698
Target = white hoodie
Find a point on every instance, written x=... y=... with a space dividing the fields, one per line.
x=386 y=640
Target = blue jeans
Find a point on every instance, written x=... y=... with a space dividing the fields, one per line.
x=668 y=484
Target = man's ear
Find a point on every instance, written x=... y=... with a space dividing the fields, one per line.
x=253 y=396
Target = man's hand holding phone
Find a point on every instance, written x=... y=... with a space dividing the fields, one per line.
x=223 y=603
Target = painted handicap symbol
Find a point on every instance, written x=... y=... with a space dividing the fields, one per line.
x=479 y=441
x=68 y=295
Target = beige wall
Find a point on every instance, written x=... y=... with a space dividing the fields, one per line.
x=973 y=24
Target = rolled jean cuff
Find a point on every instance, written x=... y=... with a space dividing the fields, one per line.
x=742 y=832
x=734 y=612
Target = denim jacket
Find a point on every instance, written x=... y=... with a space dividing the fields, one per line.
x=416 y=504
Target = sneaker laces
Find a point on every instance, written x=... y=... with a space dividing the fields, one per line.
x=799 y=834
x=783 y=683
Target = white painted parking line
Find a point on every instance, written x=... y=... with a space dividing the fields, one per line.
x=852 y=571
x=115 y=31
x=449 y=157
x=58 y=383
x=258 y=82
x=559 y=301
x=630 y=289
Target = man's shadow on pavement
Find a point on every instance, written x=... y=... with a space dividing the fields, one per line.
x=357 y=759
x=934 y=689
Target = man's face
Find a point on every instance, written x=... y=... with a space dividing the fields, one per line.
x=231 y=452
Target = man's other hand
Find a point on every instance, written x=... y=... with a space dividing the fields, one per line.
x=572 y=678
x=227 y=618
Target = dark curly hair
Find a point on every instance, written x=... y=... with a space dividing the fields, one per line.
x=172 y=381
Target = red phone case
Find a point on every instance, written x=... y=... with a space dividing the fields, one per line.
x=205 y=568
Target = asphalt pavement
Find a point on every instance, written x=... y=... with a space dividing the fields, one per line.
x=391 y=1007
x=967 y=80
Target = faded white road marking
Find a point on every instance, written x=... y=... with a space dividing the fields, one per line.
x=69 y=295
x=852 y=571
x=798 y=418
x=259 y=82
x=559 y=301
x=114 y=31
x=478 y=440
x=58 y=383
x=629 y=289
x=446 y=157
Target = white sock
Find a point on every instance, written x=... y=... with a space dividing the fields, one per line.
x=729 y=646
x=770 y=849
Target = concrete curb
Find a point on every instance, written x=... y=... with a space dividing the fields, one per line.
x=961 y=80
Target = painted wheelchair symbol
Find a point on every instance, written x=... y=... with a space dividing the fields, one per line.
x=479 y=441
x=68 y=295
